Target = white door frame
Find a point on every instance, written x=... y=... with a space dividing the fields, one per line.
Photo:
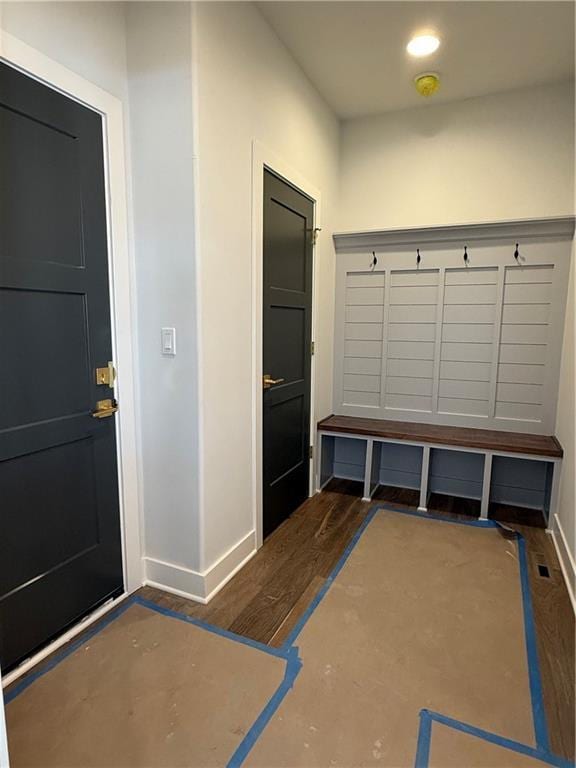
x=263 y=158
x=121 y=270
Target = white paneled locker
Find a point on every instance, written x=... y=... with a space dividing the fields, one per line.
x=459 y=325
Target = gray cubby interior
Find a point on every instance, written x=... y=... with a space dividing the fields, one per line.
x=514 y=481
x=456 y=473
x=400 y=465
x=350 y=458
x=521 y=482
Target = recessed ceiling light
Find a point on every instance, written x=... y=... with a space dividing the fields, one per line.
x=423 y=45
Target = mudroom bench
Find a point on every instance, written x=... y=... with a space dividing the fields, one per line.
x=511 y=468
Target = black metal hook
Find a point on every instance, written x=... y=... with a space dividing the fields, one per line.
x=517 y=253
x=466 y=255
x=418 y=257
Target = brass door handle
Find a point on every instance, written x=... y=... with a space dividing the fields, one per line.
x=104 y=408
x=268 y=381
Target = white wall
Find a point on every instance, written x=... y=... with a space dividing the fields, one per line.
x=565 y=524
x=504 y=156
x=88 y=38
x=249 y=88
x=159 y=44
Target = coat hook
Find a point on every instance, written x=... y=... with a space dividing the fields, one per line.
x=374 y=260
x=466 y=254
x=517 y=253
x=418 y=257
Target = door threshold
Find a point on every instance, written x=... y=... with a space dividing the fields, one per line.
x=70 y=634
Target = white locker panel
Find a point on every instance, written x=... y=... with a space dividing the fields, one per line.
x=370 y=365
x=365 y=279
x=361 y=383
x=468 y=341
x=363 y=349
x=413 y=295
x=461 y=314
x=411 y=331
x=476 y=390
x=466 y=406
x=525 y=313
x=413 y=350
x=470 y=294
x=363 y=328
x=472 y=342
x=527 y=293
x=466 y=352
x=423 y=313
x=465 y=371
x=509 y=373
x=409 y=402
x=365 y=295
x=519 y=411
x=406 y=385
x=523 y=352
x=481 y=333
x=524 y=334
x=365 y=314
x=421 y=369
x=415 y=292
x=526 y=354
x=371 y=399
x=364 y=331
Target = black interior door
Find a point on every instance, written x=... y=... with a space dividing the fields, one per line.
x=288 y=236
x=60 y=550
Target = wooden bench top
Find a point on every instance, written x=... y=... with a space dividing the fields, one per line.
x=467 y=437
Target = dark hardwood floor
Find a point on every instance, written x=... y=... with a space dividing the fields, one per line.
x=266 y=598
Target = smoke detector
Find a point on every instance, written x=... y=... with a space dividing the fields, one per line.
x=427 y=83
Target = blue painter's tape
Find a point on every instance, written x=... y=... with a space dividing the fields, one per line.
x=474 y=522
x=280 y=653
x=538 y=710
x=112 y=615
x=17 y=689
x=425 y=734
x=289 y=653
x=347 y=552
x=329 y=581
x=293 y=667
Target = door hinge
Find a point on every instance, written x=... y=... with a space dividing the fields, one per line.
x=312 y=348
x=311 y=452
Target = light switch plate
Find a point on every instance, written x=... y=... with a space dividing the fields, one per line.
x=169 y=341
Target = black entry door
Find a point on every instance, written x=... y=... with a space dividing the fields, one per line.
x=288 y=237
x=60 y=551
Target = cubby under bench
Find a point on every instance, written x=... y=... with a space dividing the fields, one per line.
x=510 y=468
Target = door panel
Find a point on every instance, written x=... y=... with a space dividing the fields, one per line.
x=288 y=227
x=60 y=543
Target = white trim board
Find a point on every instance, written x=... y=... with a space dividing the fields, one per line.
x=567 y=564
x=193 y=585
x=121 y=265
x=264 y=158
x=555 y=226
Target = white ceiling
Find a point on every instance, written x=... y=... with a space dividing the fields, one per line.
x=355 y=52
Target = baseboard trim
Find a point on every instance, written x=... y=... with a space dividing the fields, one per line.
x=200 y=586
x=567 y=564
